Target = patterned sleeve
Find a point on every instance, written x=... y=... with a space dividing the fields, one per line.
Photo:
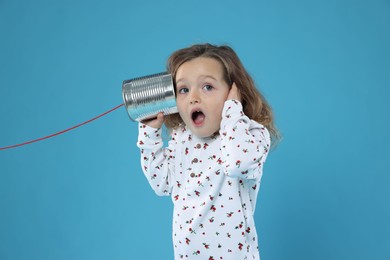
x=245 y=143
x=157 y=162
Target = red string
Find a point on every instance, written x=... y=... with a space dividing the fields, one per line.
x=61 y=132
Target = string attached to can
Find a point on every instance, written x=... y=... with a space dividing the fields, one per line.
x=144 y=97
x=61 y=132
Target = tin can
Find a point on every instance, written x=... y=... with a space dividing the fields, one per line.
x=145 y=97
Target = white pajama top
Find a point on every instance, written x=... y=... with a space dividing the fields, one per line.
x=213 y=183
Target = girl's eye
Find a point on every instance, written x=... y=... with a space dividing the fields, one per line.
x=183 y=90
x=208 y=87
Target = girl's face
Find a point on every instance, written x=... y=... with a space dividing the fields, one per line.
x=201 y=93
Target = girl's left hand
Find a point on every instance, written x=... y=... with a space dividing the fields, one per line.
x=234 y=93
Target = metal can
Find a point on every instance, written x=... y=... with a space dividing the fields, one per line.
x=145 y=97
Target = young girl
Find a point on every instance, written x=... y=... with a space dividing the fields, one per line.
x=214 y=161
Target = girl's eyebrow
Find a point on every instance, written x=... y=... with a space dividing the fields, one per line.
x=177 y=81
x=208 y=76
x=201 y=76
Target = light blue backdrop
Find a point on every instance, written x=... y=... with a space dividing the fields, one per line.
x=323 y=65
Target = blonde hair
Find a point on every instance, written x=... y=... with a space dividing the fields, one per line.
x=254 y=104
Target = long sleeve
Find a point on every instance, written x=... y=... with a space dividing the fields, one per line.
x=245 y=143
x=157 y=162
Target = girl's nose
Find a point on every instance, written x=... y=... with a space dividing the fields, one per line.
x=194 y=98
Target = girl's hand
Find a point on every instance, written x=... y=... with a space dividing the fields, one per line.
x=156 y=122
x=234 y=93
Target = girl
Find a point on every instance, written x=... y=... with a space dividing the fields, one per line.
x=214 y=161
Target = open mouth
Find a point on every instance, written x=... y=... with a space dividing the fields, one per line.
x=198 y=117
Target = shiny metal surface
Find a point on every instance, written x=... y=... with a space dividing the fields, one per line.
x=146 y=96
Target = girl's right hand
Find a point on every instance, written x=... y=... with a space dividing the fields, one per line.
x=156 y=122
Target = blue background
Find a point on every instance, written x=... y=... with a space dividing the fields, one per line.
x=323 y=65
